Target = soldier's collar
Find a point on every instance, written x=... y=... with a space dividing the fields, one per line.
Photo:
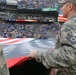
x=72 y=16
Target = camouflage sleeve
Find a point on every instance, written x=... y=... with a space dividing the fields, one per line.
x=65 y=55
x=3 y=66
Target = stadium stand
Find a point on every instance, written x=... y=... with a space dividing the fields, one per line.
x=31 y=30
x=3 y=1
x=36 y=4
x=28 y=30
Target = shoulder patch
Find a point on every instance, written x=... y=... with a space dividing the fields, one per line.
x=71 y=39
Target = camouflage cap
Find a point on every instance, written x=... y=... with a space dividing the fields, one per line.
x=63 y=1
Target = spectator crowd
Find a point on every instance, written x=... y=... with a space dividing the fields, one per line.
x=31 y=30
x=36 y=4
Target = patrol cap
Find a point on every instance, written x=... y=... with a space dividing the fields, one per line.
x=64 y=1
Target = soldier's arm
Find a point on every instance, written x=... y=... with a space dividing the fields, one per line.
x=3 y=65
x=64 y=56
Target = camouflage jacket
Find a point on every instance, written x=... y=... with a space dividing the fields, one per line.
x=63 y=57
x=3 y=66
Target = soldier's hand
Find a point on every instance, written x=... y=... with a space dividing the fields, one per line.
x=32 y=54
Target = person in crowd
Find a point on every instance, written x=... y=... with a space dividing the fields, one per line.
x=63 y=57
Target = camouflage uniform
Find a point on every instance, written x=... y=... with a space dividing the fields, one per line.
x=63 y=57
x=3 y=66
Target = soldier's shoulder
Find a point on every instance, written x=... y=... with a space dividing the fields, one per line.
x=0 y=48
x=70 y=23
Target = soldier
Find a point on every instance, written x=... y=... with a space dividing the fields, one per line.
x=63 y=57
x=3 y=66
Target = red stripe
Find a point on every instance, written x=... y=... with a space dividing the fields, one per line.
x=15 y=41
x=16 y=61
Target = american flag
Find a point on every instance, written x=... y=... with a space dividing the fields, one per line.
x=18 y=49
x=62 y=19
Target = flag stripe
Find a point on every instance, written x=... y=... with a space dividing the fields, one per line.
x=3 y=39
x=13 y=41
x=8 y=41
